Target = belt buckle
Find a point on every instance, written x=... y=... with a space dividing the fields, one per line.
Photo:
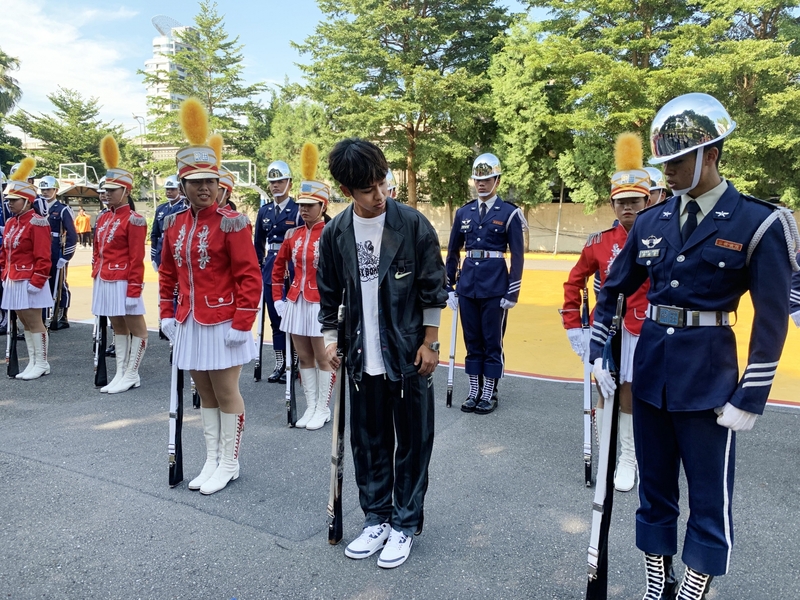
x=670 y=315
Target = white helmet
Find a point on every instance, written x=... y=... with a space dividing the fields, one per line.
x=172 y=183
x=486 y=166
x=48 y=182
x=390 y=180
x=2 y=177
x=278 y=170
x=657 y=181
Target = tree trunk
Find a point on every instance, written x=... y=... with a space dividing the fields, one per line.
x=411 y=172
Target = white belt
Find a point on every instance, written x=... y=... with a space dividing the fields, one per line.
x=485 y=254
x=272 y=247
x=675 y=316
x=55 y=234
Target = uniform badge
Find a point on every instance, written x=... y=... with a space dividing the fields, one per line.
x=729 y=245
x=496 y=222
x=722 y=214
x=649 y=253
x=666 y=214
x=652 y=242
x=465 y=224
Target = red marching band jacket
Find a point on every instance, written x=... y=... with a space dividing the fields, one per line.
x=301 y=246
x=118 y=249
x=211 y=260
x=26 y=249
x=598 y=255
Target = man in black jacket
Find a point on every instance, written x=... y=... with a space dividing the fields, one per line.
x=386 y=257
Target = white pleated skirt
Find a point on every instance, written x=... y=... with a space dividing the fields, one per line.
x=108 y=299
x=202 y=347
x=300 y=318
x=16 y=296
x=627 y=351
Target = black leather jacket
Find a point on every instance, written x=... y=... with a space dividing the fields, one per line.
x=409 y=244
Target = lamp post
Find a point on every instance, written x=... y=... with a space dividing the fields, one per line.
x=142 y=132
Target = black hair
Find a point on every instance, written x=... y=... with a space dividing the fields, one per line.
x=357 y=164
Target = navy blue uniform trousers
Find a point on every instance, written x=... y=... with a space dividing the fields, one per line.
x=382 y=412
x=663 y=441
x=482 y=323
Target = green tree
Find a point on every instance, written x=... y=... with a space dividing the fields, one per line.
x=405 y=74
x=10 y=150
x=72 y=134
x=10 y=92
x=209 y=67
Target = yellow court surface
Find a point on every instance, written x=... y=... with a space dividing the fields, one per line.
x=535 y=341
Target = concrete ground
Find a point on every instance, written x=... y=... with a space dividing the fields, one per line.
x=86 y=512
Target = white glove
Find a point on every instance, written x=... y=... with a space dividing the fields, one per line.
x=62 y=262
x=32 y=289
x=796 y=318
x=131 y=302
x=603 y=378
x=234 y=337
x=506 y=304
x=575 y=336
x=280 y=307
x=155 y=266
x=169 y=328
x=452 y=301
x=734 y=418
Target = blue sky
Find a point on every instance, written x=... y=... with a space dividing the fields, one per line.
x=96 y=47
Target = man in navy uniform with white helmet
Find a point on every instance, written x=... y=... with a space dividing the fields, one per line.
x=486 y=228
x=172 y=190
x=702 y=250
x=658 y=187
x=274 y=220
x=64 y=241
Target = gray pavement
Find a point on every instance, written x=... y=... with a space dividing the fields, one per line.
x=85 y=510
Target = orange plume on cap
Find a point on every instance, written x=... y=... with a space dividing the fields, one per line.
x=309 y=158
x=628 y=152
x=216 y=142
x=194 y=121
x=26 y=167
x=109 y=152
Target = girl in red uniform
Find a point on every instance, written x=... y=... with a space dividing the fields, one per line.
x=630 y=191
x=118 y=271
x=208 y=254
x=299 y=312
x=25 y=265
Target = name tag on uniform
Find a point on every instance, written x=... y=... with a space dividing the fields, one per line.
x=290 y=222
x=465 y=224
x=729 y=245
x=649 y=253
x=497 y=222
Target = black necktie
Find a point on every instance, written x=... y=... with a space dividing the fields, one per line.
x=483 y=210
x=277 y=209
x=691 y=221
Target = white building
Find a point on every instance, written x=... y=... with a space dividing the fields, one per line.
x=165 y=46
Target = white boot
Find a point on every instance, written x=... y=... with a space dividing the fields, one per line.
x=625 y=476
x=326 y=382
x=41 y=367
x=309 y=379
x=121 y=349
x=31 y=355
x=131 y=377
x=210 y=418
x=230 y=437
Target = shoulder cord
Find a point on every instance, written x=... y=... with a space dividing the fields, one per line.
x=789 y=232
x=522 y=220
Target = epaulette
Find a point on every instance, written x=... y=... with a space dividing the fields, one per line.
x=652 y=206
x=291 y=232
x=169 y=220
x=760 y=201
x=40 y=221
x=232 y=221
x=137 y=219
x=509 y=202
x=596 y=237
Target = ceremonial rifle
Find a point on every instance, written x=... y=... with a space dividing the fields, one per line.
x=597 y=584
x=451 y=366
x=195 y=393
x=257 y=370
x=335 y=531
x=291 y=399
x=587 y=390
x=100 y=371
x=175 y=445
x=12 y=360
x=54 y=315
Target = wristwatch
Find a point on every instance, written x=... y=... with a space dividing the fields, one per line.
x=434 y=346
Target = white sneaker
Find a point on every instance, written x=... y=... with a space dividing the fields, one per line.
x=396 y=551
x=369 y=542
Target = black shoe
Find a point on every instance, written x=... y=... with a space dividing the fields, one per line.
x=661 y=582
x=484 y=407
x=111 y=350
x=469 y=405
x=277 y=374
x=63 y=324
x=21 y=336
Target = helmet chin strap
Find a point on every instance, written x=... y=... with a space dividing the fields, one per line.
x=491 y=192
x=285 y=188
x=696 y=178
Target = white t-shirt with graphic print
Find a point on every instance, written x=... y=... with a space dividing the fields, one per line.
x=368 y=233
